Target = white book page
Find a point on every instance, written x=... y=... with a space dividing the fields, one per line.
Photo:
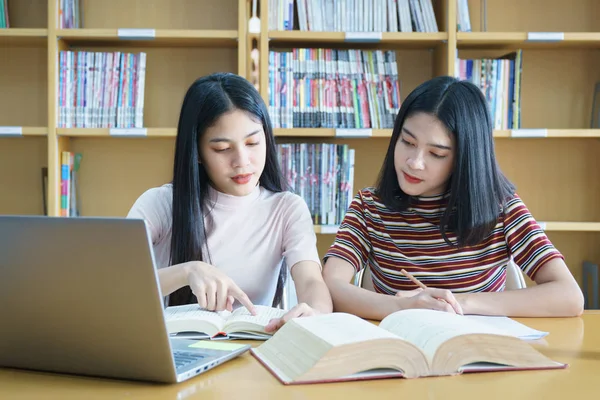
x=510 y=326
x=339 y=329
x=428 y=329
x=194 y=312
x=264 y=314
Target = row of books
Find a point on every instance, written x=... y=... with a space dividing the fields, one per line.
x=101 y=89
x=353 y=15
x=500 y=81
x=69 y=14
x=69 y=168
x=4 y=20
x=328 y=88
x=323 y=175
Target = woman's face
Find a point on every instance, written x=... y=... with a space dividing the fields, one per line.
x=233 y=152
x=424 y=156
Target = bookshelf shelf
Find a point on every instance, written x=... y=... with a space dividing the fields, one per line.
x=35 y=131
x=24 y=32
x=387 y=133
x=491 y=40
x=159 y=38
x=105 y=132
x=555 y=133
x=24 y=131
x=23 y=36
x=408 y=39
x=322 y=132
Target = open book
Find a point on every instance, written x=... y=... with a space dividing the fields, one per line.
x=192 y=322
x=408 y=343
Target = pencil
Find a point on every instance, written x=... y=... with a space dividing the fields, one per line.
x=413 y=279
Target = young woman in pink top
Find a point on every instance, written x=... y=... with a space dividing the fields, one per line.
x=225 y=229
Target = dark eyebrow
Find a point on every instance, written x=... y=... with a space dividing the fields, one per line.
x=439 y=146
x=217 y=140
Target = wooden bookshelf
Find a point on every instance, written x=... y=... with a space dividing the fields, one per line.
x=29 y=15
x=523 y=40
x=499 y=133
x=182 y=41
x=329 y=132
x=23 y=107
x=23 y=37
x=553 y=161
x=22 y=131
x=580 y=16
x=150 y=37
x=548 y=133
x=387 y=39
x=106 y=132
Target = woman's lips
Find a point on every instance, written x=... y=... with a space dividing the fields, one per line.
x=242 y=179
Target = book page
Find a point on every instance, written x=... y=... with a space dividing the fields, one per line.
x=428 y=329
x=339 y=329
x=190 y=312
x=264 y=314
x=510 y=326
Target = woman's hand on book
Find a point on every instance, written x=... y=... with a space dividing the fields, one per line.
x=430 y=298
x=300 y=310
x=214 y=290
x=408 y=293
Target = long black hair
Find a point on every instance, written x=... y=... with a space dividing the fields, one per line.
x=478 y=189
x=207 y=99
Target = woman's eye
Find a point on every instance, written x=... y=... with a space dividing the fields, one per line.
x=253 y=143
x=437 y=155
x=406 y=142
x=221 y=150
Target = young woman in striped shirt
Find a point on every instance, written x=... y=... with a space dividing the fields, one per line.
x=444 y=212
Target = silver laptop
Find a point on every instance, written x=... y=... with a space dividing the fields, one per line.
x=81 y=296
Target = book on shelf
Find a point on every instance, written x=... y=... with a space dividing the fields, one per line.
x=69 y=195
x=463 y=17
x=352 y=15
x=500 y=81
x=192 y=322
x=69 y=14
x=323 y=175
x=4 y=19
x=329 y=88
x=406 y=344
x=45 y=190
x=101 y=89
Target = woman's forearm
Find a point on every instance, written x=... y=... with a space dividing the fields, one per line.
x=316 y=295
x=364 y=303
x=551 y=299
x=172 y=278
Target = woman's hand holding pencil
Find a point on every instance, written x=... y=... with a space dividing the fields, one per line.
x=435 y=299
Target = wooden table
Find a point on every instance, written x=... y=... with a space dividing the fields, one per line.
x=575 y=341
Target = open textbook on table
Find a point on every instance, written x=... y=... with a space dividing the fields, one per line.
x=408 y=343
x=192 y=322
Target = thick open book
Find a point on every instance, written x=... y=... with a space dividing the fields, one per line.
x=192 y=322
x=408 y=343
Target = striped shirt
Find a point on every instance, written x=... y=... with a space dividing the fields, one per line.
x=389 y=241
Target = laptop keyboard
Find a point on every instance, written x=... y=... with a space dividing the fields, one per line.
x=183 y=358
